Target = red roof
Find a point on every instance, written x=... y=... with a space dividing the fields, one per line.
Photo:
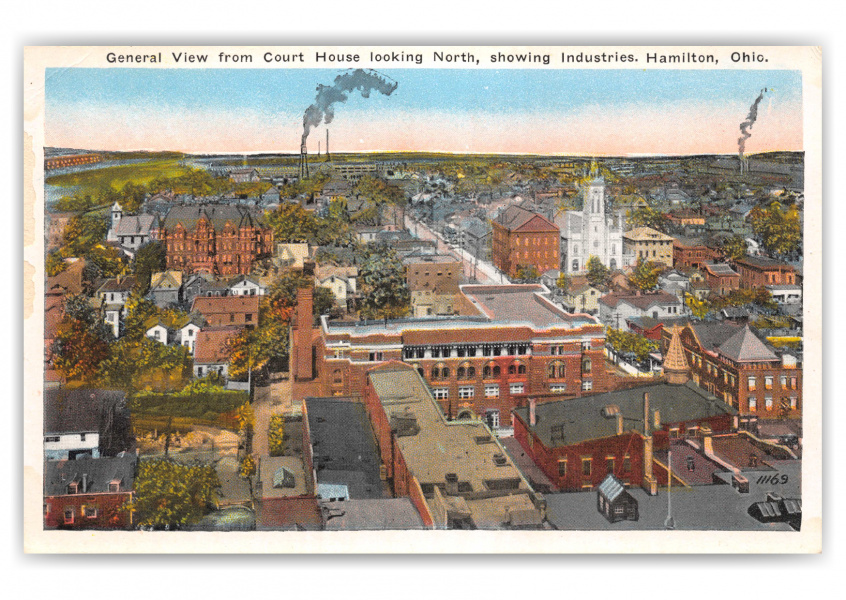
x=212 y=345
x=215 y=305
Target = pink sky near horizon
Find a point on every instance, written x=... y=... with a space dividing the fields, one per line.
x=593 y=130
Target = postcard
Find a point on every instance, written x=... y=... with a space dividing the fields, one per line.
x=422 y=299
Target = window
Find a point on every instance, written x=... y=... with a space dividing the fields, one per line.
x=492 y=391
x=81 y=437
x=587 y=385
x=793 y=383
x=586 y=466
x=190 y=333
x=752 y=383
x=627 y=464
x=768 y=382
x=562 y=467
x=793 y=402
x=440 y=393
x=753 y=404
x=466 y=391
x=374 y=356
x=51 y=438
x=609 y=465
x=783 y=381
x=90 y=512
x=492 y=418
x=558 y=388
x=461 y=373
x=768 y=402
x=69 y=515
x=516 y=388
x=586 y=365
x=114 y=486
x=556 y=370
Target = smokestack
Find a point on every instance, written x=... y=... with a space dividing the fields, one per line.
x=327 y=145
x=303 y=161
x=646 y=430
x=533 y=418
x=303 y=345
x=650 y=483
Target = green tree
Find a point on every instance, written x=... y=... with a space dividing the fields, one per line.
x=150 y=258
x=276 y=435
x=169 y=495
x=625 y=341
x=144 y=364
x=139 y=310
x=734 y=248
x=645 y=275
x=527 y=273
x=563 y=283
x=780 y=230
x=597 y=273
x=383 y=284
x=82 y=233
x=646 y=216
x=698 y=308
x=82 y=341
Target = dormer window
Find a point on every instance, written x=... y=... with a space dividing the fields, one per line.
x=73 y=487
x=114 y=486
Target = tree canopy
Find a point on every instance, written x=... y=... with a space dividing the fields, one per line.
x=597 y=273
x=383 y=284
x=169 y=495
x=626 y=341
x=780 y=229
x=646 y=216
x=645 y=275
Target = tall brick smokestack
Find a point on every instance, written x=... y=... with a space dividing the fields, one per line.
x=302 y=337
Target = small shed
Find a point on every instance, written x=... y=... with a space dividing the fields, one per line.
x=614 y=502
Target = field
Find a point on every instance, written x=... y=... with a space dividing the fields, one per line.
x=93 y=180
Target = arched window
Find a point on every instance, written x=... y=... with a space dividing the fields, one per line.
x=445 y=373
x=575 y=265
x=556 y=370
x=471 y=372
x=496 y=371
x=521 y=369
x=461 y=373
x=487 y=372
x=586 y=365
x=517 y=367
x=512 y=369
x=613 y=264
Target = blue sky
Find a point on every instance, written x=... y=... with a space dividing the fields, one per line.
x=487 y=105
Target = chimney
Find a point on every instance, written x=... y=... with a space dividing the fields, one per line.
x=656 y=421
x=451 y=484
x=650 y=483
x=646 y=430
x=327 y=145
x=303 y=324
x=707 y=440
x=619 y=423
x=85 y=483
x=533 y=417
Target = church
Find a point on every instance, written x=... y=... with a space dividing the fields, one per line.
x=596 y=230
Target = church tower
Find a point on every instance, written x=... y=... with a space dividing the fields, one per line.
x=117 y=214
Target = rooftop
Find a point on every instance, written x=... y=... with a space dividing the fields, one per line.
x=80 y=410
x=212 y=345
x=344 y=446
x=763 y=262
x=516 y=217
x=371 y=514
x=641 y=301
x=440 y=447
x=581 y=419
x=98 y=473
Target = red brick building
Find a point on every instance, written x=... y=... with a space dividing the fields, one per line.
x=721 y=278
x=218 y=239
x=578 y=442
x=732 y=363
x=514 y=342
x=88 y=493
x=227 y=310
x=759 y=271
x=692 y=253
x=523 y=238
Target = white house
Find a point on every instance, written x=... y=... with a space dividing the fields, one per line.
x=243 y=285
x=59 y=446
x=156 y=330
x=113 y=295
x=187 y=334
x=341 y=281
x=616 y=308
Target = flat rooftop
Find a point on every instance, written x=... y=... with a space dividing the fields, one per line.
x=497 y=305
x=465 y=448
x=698 y=508
x=344 y=446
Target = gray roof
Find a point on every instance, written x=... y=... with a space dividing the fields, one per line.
x=581 y=419
x=611 y=487
x=217 y=214
x=516 y=216
x=744 y=346
x=79 y=411
x=712 y=334
x=136 y=225
x=761 y=261
x=98 y=472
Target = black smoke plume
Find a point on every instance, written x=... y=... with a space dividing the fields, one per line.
x=747 y=124
x=365 y=81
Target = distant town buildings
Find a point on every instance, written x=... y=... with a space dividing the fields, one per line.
x=649 y=245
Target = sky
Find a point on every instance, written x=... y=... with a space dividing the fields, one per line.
x=535 y=111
